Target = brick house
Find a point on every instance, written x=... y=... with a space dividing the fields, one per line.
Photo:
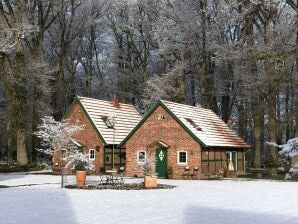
x=186 y=141
x=106 y=124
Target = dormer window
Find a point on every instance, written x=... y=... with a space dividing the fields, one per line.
x=194 y=124
x=107 y=122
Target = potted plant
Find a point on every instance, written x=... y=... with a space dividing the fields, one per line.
x=80 y=164
x=150 y=176
x=80 y=169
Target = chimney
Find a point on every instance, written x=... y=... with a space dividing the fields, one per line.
x=115 y=102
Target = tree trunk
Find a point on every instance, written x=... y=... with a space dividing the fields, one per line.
x=22 y=156
x=180 y=82
x=9 y=99
x=295 y=90
x=203 y=73
x=271 y=96
x=280 y=127
x=20 y=102
x=16 y=99
x=255 y=96
x=257 y=131
x=36 y=52
x=10 y=142
x=242 y=119
x=272 y=122
x=59 y=93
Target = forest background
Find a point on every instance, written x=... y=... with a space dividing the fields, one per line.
x=236 y=57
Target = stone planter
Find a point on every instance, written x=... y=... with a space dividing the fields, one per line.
x=81 y=178
x=150 y=181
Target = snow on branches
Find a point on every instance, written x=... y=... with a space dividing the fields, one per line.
x=148 y=167
x=78 y=161
x=54 y=134
x=290 y=150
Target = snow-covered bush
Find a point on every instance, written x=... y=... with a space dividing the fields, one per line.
x=55 y=134
x=78 y=161
x=290 y=150
x=43 y=164
x=148 y=167
x=292 y=171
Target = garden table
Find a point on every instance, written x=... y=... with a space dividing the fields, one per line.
x=112 y=177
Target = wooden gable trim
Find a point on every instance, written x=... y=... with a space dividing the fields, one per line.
x=162 y=144
x=77 y=101
x=160 y=103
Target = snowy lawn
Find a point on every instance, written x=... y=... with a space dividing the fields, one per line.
x=224 y=202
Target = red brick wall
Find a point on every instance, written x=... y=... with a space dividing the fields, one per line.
x=171 y=133
x=88 y=136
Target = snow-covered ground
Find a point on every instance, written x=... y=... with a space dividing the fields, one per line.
x=193 y=201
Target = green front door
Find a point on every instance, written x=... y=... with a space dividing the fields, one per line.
x=161 y=162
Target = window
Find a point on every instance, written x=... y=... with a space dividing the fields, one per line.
x=194 y=124
x=141 y=156
x=182 y=157
x=232 y=160
x=63 y=154
x=107 y=122
x=91 y=154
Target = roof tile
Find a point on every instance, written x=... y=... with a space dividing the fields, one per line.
x=125 y=117
x=206 y=125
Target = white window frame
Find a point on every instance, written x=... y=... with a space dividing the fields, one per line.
x=90 y=154
x=138 y=156
x=231 y=158
x=178 y=157
x=64 y=154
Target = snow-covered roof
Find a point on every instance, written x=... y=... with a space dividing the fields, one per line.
x=205 y=125
x=202 y=124
x=113 y=123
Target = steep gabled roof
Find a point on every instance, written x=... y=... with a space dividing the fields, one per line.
x=206 y=126
x=202 y=124
x=111 y=123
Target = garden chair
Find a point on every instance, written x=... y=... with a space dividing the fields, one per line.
x=186 y=172
x=194 y=173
